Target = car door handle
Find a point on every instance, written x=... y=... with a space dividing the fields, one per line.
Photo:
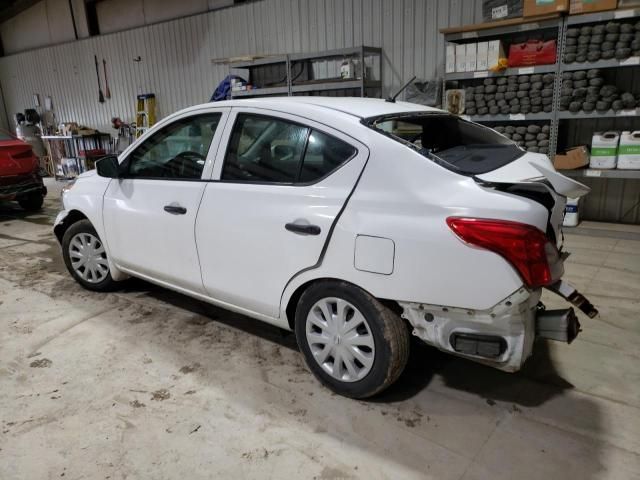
x=303 y=229
x=175 y=209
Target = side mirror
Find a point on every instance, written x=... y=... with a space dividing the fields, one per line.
x=108 y=167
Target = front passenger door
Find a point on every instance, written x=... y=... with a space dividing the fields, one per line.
x=149 y=214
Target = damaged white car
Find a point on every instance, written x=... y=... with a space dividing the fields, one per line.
x=353 y=222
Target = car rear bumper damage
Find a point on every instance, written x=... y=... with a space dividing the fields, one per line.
x=503 y=335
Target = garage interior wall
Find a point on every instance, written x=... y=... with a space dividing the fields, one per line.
x=147 y=12
x=4 y=118
x=176 y=56
x=47 y=22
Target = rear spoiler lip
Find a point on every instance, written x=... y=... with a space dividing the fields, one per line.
x=562 y=184
x=559 y=183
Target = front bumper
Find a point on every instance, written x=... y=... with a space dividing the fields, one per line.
x=62 y=214
x=58 y=224
x=503 y=335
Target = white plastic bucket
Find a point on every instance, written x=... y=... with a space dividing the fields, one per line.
x=571 y=213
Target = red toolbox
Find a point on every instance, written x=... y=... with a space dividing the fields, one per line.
x=532 y=52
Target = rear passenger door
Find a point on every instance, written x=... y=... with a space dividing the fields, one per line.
x=280 y=181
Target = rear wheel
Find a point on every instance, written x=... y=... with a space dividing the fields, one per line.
x=86 y=258
x=351 y=342
x=31 y=202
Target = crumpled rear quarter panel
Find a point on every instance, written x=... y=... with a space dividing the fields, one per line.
x=406 y=197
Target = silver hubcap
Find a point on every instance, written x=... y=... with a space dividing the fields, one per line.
x=88 y=258
x=340 y=339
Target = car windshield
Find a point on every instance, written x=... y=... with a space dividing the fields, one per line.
x=456 y=144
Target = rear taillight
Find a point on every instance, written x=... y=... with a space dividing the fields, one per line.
x=522 y=245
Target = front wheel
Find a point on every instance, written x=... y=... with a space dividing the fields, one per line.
x=86 y=258
x=351 y=342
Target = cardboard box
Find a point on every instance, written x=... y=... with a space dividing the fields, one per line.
x=451 y=59
x=493 y=10
x=573 y=158
x=533 y=8
x=588 y=6
x=472 y=57
x=483 y=56
x=461 y=58
x=495 y=51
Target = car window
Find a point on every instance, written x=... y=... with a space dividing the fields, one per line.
x=264 y=149
x=177 y=151
x=456 y=144
x=323 y=155
x=405 y=130
x=270 y=150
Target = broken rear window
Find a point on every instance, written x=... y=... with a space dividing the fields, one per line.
x=456 y=144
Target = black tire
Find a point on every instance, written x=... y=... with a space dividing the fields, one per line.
x=390 y=338
x=31 y=202
x=84 y=226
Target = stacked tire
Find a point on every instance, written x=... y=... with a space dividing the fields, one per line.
x=604 y=41
x=515 y=94
x=586 y=91
x=533 y=138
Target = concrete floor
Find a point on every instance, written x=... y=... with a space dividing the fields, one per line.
x=145 y=383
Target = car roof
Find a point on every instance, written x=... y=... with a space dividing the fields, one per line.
x=355 y=106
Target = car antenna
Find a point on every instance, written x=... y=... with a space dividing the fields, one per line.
x=392 y=98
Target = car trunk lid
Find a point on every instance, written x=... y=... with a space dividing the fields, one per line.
x=533 y=167
x=533 y=176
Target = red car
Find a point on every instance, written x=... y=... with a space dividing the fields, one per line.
x=20 y=177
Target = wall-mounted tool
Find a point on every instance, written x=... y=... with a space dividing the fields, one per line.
x=100 y=94
x=107 y=92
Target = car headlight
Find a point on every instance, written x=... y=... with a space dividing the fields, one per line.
x=68 y=186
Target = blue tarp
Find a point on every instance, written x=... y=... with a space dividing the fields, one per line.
x=223 y=91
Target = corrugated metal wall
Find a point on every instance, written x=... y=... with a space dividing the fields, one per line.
x=177 y=62
x=177 y=55
x=612 y=200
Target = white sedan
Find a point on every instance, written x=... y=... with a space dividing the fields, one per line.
x=353 y=222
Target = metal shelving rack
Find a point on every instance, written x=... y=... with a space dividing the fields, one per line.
x=499 y=29
x=594 y=173
x=502 y=28
x=612 y=63
x=72 y=155
x=602 y=16
x=507 y=72
x=634 y=61
x=567 y=115
x=512 y=117
x=367 y=82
